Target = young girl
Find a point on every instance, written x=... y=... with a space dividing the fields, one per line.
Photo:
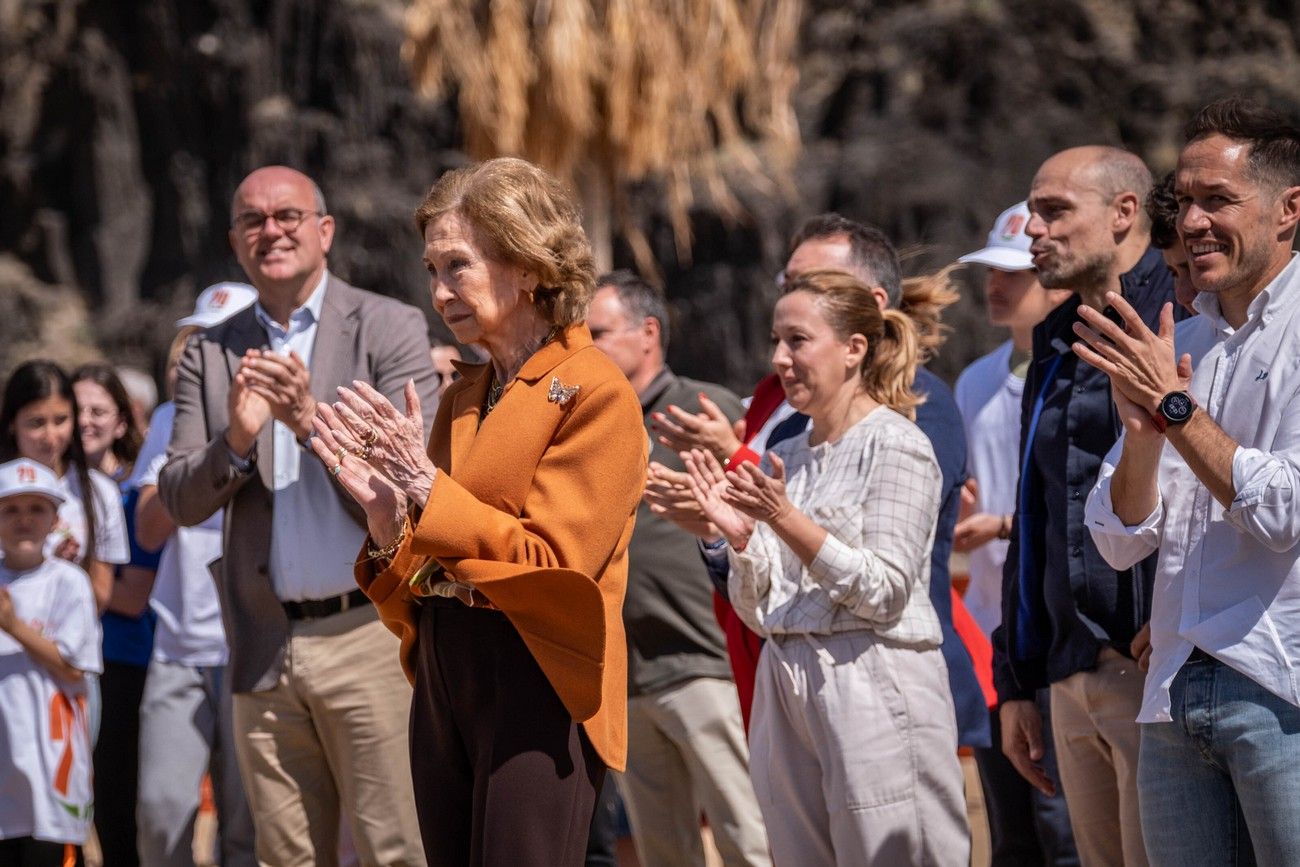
x=106 y=421
x=853 y=740
x=49 y=642
x=111 y=441
x=38 y=420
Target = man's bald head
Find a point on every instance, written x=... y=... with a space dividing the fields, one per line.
x=1086 y=204
x=1107 y=171
x=279 y=174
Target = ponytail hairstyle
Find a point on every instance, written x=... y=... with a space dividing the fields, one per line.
x=888 y=368
x=38 y=380
x=874 y=259
x=125 y=448
x=923 y=300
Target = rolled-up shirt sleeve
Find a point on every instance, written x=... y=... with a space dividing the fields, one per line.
x=869 y=585
x=1266 y=506
x=1120 y=545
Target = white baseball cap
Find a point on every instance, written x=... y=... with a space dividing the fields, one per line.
x=218 y=303
x=25 y=476
x=1007 y=248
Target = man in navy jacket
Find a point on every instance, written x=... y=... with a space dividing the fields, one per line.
x=1069 y=619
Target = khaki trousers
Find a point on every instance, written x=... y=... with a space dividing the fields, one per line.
x=853 y=751
x=330 y=736
x=1094 y=726
x=686 y=752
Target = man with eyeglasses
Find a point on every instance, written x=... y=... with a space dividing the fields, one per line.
x=321 y=704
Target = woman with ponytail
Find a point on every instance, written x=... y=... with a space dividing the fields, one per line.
x=853 y=742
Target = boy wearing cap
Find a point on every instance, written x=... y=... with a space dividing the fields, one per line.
x=1027 y=826
x=49 y=639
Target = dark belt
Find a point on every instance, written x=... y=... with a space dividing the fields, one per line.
x=1199 y=655
x=315 y=609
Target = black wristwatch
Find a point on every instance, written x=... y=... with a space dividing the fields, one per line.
x=1176 y=408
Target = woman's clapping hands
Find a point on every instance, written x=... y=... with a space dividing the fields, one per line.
x=734 y=501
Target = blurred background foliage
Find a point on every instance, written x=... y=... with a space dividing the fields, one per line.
x=125 y=127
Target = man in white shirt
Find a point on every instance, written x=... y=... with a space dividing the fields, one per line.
x=1027 y=825
x=1208 y=473
x=321 y=704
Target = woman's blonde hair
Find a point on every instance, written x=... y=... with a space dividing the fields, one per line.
x=893 y=347
x=525 y=217
x=923 y=300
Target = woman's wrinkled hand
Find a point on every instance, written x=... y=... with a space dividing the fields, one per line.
x=368 y=425
x=383 y=502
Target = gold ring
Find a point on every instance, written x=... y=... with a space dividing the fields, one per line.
x=365 y=452
x=342 y=453
x=369 y=437
x=336 y=469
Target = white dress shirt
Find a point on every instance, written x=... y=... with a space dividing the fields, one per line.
x=1228 y=581
x=314 y=541
x=876 y=493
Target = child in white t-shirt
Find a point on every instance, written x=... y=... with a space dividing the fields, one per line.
x=49 y=640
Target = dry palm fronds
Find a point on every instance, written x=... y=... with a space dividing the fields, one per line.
x=676 y=91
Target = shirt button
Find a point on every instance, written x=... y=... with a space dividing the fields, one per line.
x=1078 y=389
x=1074 y=495
x=1076 y=551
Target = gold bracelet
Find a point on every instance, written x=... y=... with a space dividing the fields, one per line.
x=387 y=552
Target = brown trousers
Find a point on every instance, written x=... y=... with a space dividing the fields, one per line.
x=503 y=775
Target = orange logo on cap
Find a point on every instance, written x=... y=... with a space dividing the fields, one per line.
x=27 y=475
x=219 y=298
x=1013 y=227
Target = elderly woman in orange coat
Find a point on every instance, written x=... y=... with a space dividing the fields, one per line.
x=499 y=554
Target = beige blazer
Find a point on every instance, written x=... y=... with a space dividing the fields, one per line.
x=535 y=509
x=360 y=335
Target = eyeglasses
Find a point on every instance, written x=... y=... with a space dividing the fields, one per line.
x=288 y=219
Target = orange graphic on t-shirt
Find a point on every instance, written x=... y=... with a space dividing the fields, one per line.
x=63 y=719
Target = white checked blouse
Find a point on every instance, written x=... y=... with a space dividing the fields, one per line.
x=876 y=492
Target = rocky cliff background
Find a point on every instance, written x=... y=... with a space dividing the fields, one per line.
x=125 y=126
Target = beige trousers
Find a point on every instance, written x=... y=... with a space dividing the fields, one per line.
x=331 y=736
x=853 y=751
x=1094 y=726
x=687 y=753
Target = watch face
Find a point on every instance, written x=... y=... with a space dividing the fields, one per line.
x=1177 y=407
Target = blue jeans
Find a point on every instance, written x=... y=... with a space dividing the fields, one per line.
x=1221 y=783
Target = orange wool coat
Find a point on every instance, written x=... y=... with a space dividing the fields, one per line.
x=534 y=510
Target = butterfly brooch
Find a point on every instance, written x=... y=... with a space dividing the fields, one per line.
x=561 y=393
